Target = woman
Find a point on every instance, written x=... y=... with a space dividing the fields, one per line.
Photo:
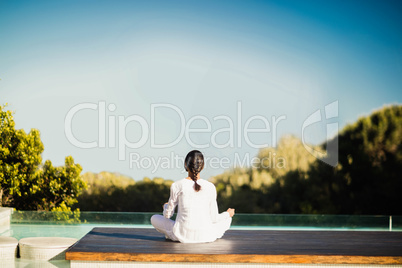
x=198 y=220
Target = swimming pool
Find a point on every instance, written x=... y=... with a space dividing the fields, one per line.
x=77 y=231
x=36 y=224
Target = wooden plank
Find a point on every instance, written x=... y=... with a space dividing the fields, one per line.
x=242 y=246
x=226 y=258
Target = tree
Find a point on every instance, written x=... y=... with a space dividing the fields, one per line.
x=370 y=160
x=25 y=183
x=116 y=192
x=367 y=179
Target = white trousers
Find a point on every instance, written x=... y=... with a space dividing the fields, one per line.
x=165 y=226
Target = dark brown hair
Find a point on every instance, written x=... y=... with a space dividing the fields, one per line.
x=194 y=163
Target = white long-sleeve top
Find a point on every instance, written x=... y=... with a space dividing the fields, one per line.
x=197 y=218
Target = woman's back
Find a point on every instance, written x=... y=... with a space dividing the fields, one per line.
x=194 y=208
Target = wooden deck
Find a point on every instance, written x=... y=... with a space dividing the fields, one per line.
x=242 y=246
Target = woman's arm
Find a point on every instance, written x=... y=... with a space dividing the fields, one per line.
x=168 y=208
x=215 y=215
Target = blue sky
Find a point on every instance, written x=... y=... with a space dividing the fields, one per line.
x=204 y=58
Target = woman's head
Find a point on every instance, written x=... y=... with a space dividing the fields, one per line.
x=194 y=163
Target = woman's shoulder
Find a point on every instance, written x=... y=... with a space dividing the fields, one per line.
x=183 y=183
x=207 y=183
x=180 y=183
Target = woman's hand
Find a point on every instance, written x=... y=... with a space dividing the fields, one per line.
x=231 y=211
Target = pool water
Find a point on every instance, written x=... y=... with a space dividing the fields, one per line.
x=80 y=230
x=73 y=230
x=43 y=224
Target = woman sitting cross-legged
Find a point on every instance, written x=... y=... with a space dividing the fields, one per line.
x=198 y=219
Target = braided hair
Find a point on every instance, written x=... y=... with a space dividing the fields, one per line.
x=194 y=163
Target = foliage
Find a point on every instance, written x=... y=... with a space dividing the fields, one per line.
x=20 y=156
x=276 y=168
x=105 y=181
x=64 y=214
x=60 y=215
x=366 y=181
x=115 y=192
x=289 y=155
x=25 y=183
